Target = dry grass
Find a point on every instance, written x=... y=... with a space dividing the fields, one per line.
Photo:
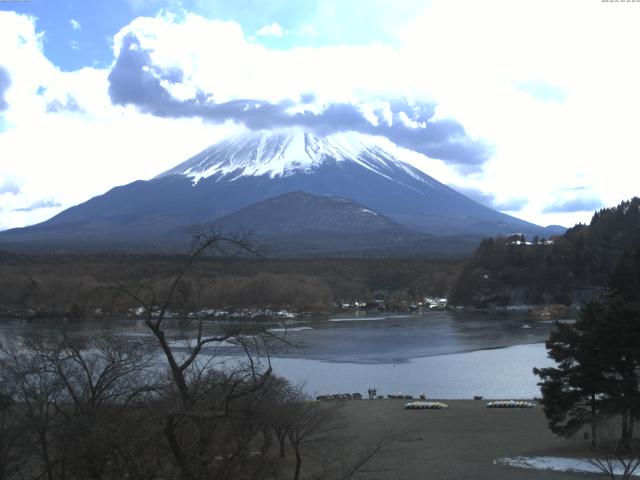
x=458 y=443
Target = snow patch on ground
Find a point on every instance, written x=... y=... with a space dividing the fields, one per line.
x=366 y=210
x=558 y=464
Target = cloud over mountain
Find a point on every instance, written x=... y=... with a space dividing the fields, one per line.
x=43 y=203
x=5 y=83
x=136 y=80
x=486 y=74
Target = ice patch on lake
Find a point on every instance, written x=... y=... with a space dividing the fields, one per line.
x=356 y=319
x=559 y=464
x=191 y=343
x=287 y=330
x=366 y=319
x=138 y=334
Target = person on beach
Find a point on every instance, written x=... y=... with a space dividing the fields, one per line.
x=370 y=392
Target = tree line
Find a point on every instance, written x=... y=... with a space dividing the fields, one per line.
x=74 y=285
x=570 y=268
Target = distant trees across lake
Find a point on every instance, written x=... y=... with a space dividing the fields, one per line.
x=566 y=269
x=74 y=285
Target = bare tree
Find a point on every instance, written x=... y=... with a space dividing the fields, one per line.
x=156 y=306
x=207 y=422
x=344 y=457
x=308 y=422
x=11 y=433
x=101 y=378
x=615 y=458
x=100 y=369
x=72 y=394
x=35 y=393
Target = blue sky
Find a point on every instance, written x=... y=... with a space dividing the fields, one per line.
x=524 y=106
x=79 y=33
x=88 y=44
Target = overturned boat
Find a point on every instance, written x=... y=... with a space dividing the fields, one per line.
x=426 y=406
x=510 y=404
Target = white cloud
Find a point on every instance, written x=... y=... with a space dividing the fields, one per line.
x=72 y=156
x=549 y=84
x=242 y=69
x=271 y=30
x=75 y=24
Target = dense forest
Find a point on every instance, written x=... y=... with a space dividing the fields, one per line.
x=567 y=269
x=78 y=284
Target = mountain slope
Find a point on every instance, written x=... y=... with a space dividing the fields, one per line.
x=301 y=213
x=298 y=223
x=255 y=166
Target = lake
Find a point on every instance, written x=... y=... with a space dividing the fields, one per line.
x=447 y=354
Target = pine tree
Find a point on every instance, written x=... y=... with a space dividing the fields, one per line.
x=620 y=336
x=572 y=391
x=598 y=371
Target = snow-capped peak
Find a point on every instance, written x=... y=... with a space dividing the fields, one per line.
x=280 y=153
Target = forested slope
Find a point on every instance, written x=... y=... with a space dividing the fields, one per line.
x=567 y=269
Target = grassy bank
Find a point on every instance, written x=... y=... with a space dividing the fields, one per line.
x=460 y=443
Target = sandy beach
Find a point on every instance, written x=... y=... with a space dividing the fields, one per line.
x=461 y=442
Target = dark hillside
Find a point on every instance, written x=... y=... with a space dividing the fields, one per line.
x=568 y=269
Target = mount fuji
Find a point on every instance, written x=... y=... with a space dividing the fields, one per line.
x=255 y=166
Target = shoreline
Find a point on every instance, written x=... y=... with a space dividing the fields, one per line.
x=541 y=311
x=500 y=374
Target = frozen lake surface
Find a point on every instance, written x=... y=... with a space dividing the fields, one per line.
x=447 y=354
x=504 y=373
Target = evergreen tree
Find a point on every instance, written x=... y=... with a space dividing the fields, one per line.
x=598 y=371
x=572 y=391
x=620 y=336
